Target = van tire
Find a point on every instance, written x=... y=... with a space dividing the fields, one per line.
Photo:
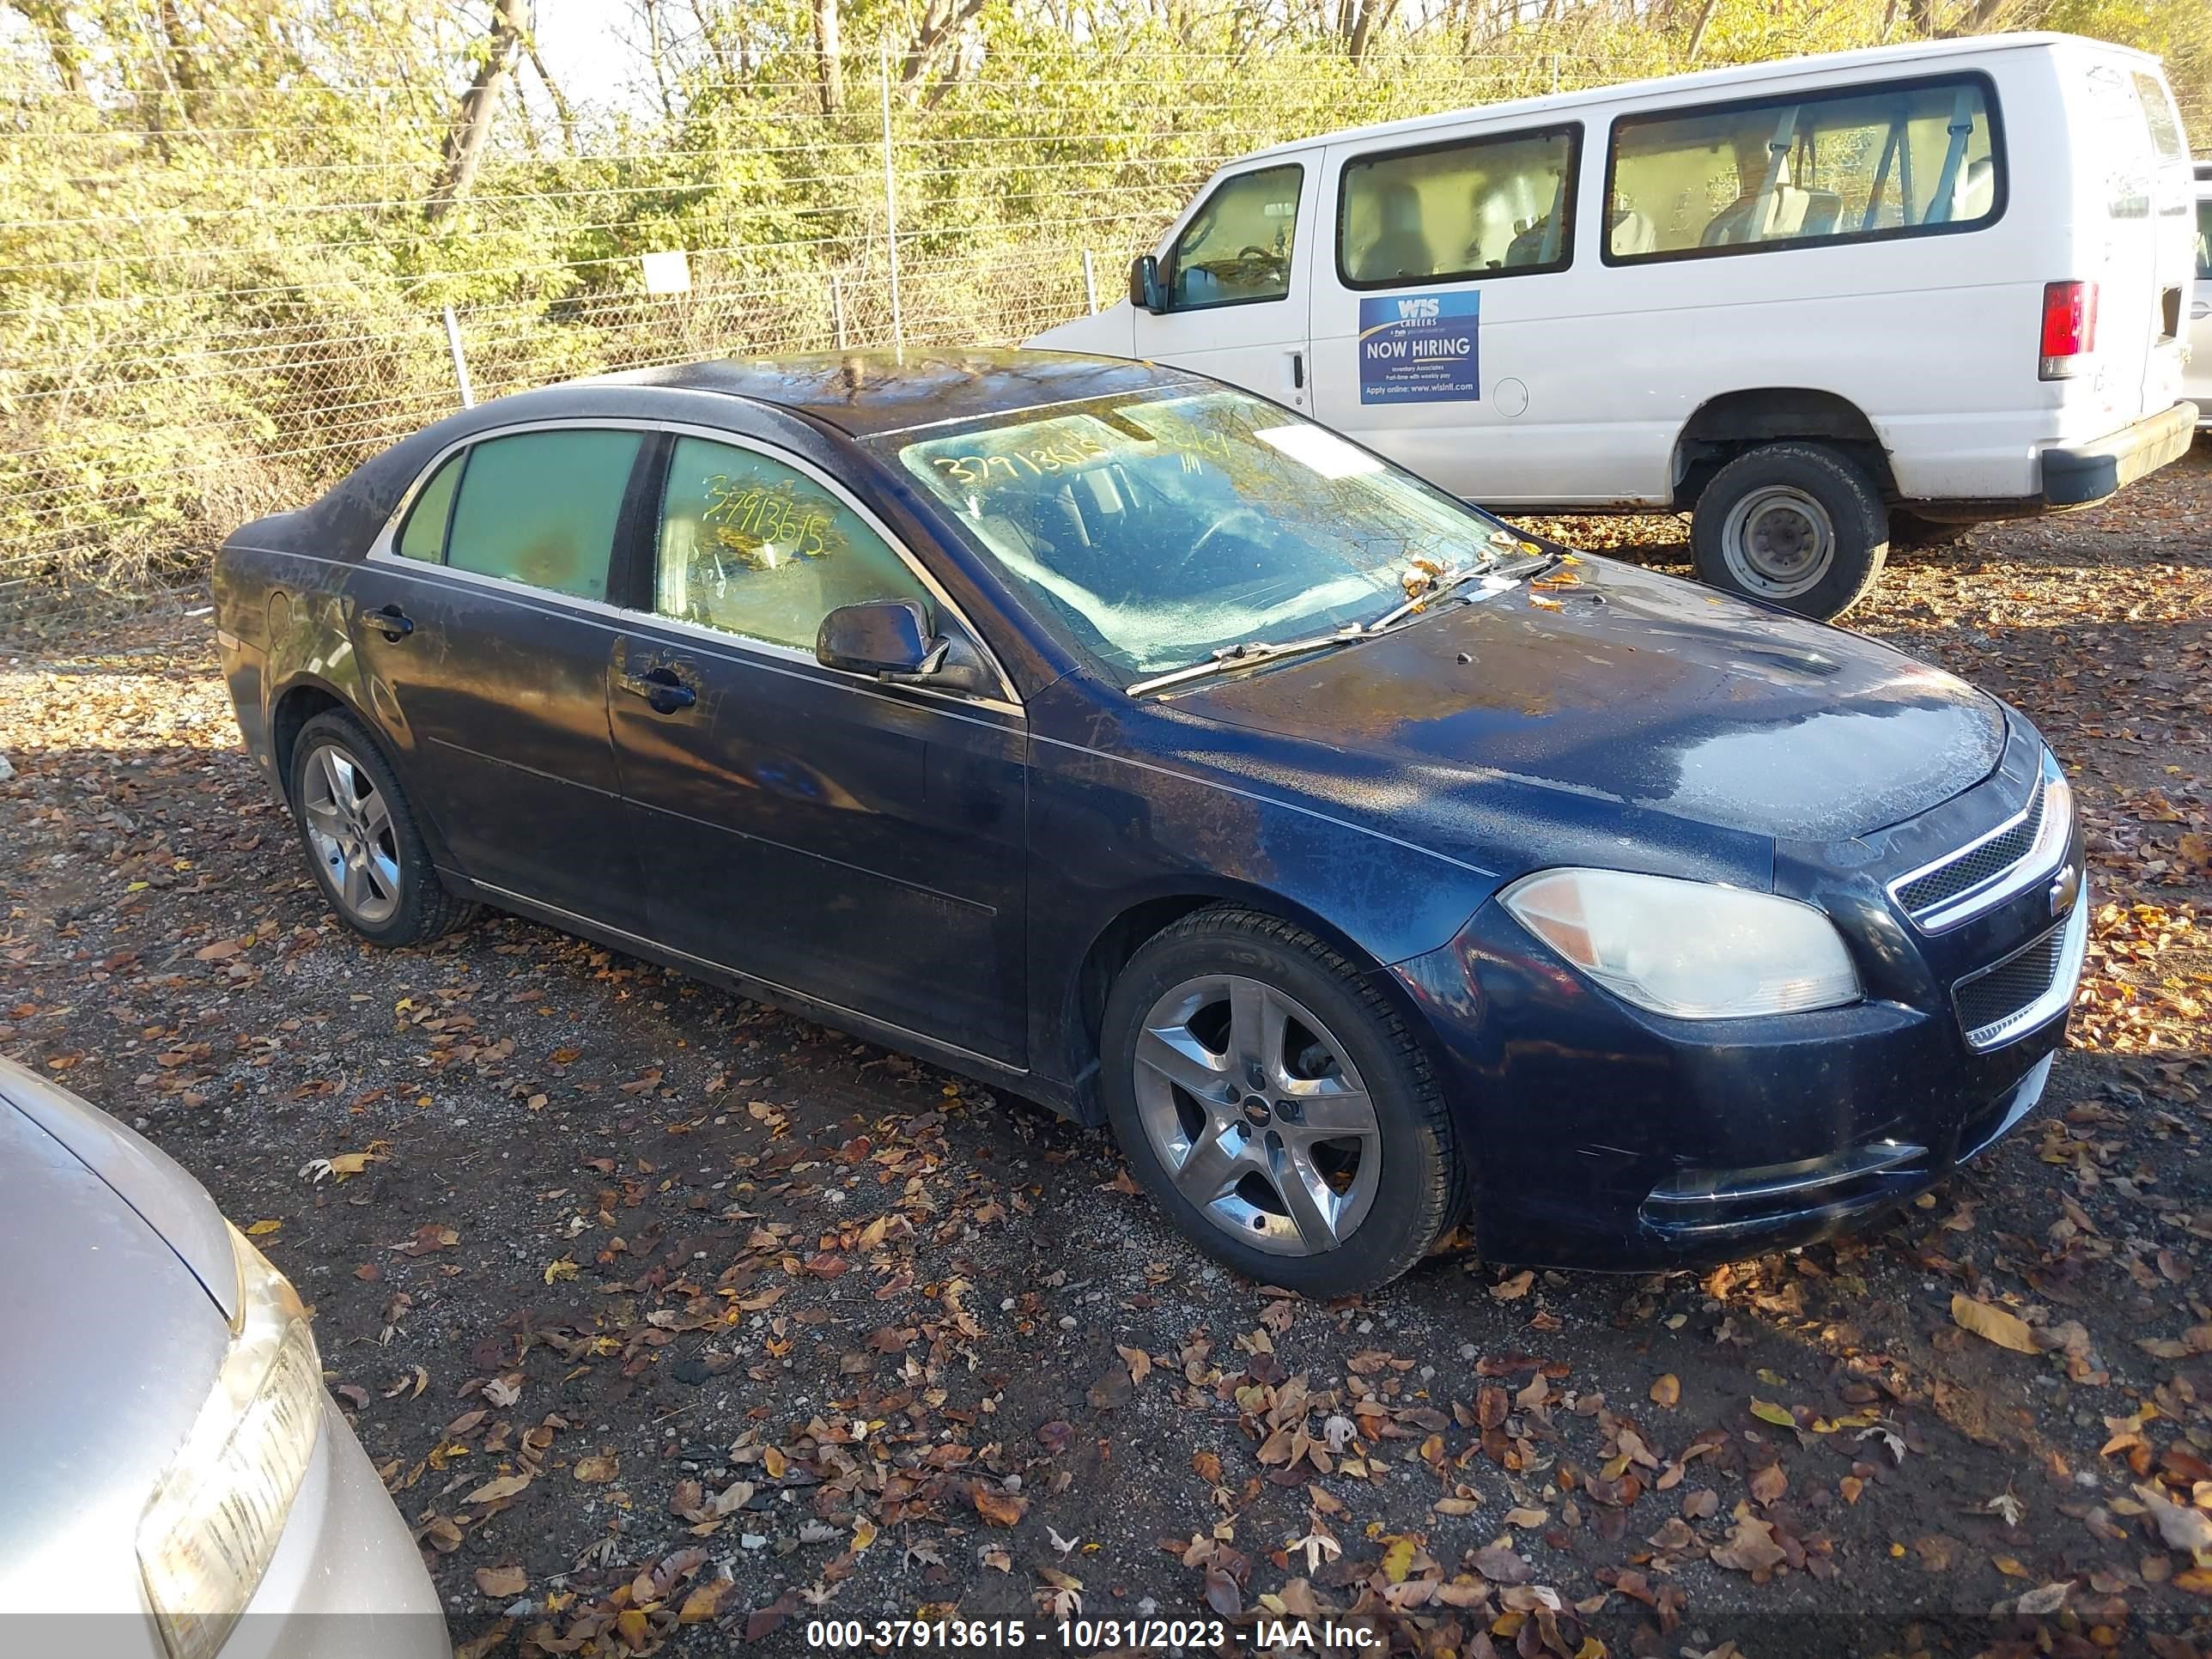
x=1798 y=525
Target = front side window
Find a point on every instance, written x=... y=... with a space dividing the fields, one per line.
x=1897 y=161
x=2204 y=241
x=1236 y=248
x=756 y=548
x=1504 y=203
x=539 y=508
x=1152 y=532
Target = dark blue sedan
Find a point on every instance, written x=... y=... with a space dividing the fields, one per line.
x=1133 y=744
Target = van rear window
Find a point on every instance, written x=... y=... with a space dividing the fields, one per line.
x=1860 y=164
x=2158 y=115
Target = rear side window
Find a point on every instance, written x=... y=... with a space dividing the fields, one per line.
x=423 y=536
x=1500 y=205
x=540 y=508
x=1915 y=158
x=1236 y=248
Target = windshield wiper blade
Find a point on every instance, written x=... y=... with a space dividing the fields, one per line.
x=1248 y=653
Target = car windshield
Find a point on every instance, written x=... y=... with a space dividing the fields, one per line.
x=1160 y=531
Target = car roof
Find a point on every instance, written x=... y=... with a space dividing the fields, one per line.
x=865 y=394
x=1745 y=76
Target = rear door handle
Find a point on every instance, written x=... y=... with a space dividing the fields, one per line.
x=663 y=689
x=1298 y=370
x=391 y=621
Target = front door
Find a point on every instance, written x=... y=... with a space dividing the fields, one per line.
x=860 y=844
x=484 y=628
x=1236 y=298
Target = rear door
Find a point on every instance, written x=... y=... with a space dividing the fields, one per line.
x=484 y=625
x=1236 y=281
x=2135 y=207
x=859 y=843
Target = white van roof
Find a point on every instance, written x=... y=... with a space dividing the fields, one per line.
x=1745 y=76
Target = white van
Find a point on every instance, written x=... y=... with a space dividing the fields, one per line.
x=1823 y=302
x=2197 y=380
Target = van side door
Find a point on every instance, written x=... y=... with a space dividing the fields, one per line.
x=1236 y=281
x=1446 y=329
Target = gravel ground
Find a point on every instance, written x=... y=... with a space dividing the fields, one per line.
x=675 y=1322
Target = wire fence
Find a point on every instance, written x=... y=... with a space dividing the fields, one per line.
x=214 y=302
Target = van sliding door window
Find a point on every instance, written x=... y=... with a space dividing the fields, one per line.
x=1236 y=248
x=1866 y=164
x=1500 y=205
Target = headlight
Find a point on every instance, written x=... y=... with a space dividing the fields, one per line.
x=213 y=1522
x=1688 y=948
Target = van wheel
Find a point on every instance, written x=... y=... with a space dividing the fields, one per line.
x=1275 y=1106
x=1797 y=524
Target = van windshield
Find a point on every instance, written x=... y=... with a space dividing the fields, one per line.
x=1156 y=531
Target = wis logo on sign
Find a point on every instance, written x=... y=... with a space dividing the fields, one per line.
x=1418 y=310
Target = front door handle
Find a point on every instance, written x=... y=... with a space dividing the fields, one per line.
x=391 y=621
x=663 y=689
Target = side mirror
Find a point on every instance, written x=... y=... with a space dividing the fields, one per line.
x=892 y=639
x=884 y=637
x=1147 y=291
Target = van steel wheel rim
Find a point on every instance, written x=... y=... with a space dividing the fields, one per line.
x=1779 y=542
x=349 y=830
x=1258 y=1114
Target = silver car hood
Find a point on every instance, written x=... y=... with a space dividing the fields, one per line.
x=112 y=1343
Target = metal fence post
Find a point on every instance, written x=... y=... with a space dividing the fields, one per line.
x=837 y=305
x=460 y=360
x=1089 y=281
x=890 y=197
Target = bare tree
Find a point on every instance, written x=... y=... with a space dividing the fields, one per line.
x=941 y=20
x=464 y=144
x=825 y=51
x=51 y=19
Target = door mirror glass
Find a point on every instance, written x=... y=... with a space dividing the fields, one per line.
x=1146 y=291
x=882 y=637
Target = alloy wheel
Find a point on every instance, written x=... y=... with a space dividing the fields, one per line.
x=350 y=831
x=1779 y=542
x=1258 y=1114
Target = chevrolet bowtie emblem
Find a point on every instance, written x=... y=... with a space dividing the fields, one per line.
x=2065 y=888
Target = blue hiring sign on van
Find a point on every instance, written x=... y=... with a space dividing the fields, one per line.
x=1419 y=348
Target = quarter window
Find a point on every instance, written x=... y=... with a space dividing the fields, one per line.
x=540 y=507
x=753 y=547
x=1238 y=248
x=423 y=535
x=1502 y=204
x=1913 y=159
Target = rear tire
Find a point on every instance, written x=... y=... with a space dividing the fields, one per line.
x=1276 y=1107
x=360 y=838
x=1797 y=524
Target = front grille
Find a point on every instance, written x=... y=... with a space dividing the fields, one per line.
x=1934 y=888
x=1989 y=1001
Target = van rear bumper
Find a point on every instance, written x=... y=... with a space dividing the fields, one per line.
x=2073 y=475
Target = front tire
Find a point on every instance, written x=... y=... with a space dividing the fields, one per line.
x=1798 y=525
x=1275 y=1106
x=360 y=837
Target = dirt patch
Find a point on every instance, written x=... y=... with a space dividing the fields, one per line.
x=672 y=1320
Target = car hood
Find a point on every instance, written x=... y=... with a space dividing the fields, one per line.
x=113 y=1347
x=1644 y=689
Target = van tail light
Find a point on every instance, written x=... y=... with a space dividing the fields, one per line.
x=2070 y=328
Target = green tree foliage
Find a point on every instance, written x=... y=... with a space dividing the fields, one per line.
x=224 y=253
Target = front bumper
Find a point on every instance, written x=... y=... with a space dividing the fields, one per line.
x=2074 y=475
x=1598 y=1135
